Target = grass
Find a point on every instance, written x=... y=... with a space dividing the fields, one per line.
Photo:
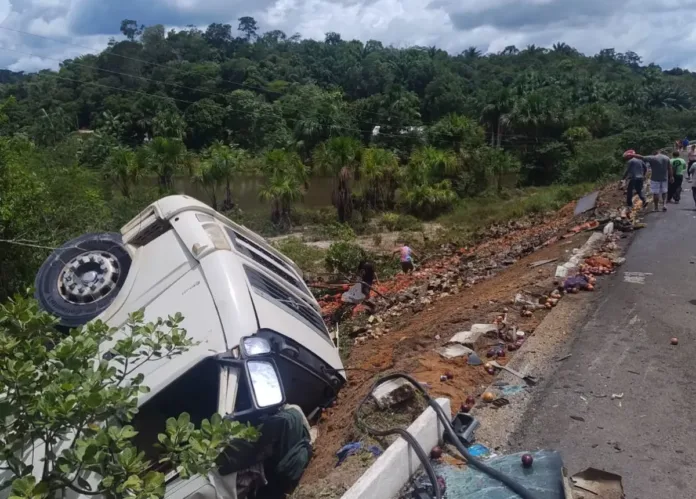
x=308 y=258
x=472 y=214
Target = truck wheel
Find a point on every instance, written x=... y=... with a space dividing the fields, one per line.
x=82 y=278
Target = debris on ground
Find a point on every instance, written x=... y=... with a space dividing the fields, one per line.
x=600 y=483
x=393 y=392
x=432 y=323
x=353 y=448
x=586 y=203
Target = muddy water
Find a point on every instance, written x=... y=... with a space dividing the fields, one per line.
x=245 y=192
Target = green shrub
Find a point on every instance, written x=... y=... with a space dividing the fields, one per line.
x=344 y=257
x=308 y=258
x=398 y=222
x=427 y=200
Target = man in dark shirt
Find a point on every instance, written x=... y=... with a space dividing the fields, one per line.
x=635 y=173
x=661 y=176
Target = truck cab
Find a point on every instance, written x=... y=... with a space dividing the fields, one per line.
x=261 y=342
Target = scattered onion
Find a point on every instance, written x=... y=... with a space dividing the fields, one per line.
x=488 y=397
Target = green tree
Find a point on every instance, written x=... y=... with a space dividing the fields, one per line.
x=79 y=412
x=221 y=163
x=165 y=157
x=285 y=177
x=249 y=27
x=379 y=170
x=130 y=29
x=339 y=157
x=123 y=169
x=169 y=124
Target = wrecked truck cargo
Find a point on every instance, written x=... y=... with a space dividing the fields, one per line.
x=263 y=353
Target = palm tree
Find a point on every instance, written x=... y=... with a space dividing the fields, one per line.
x=380 y=170
x=169 y=124
x=429 y=165
x=494 y=112
x=472 y=53
x=206 y=176
x=564 y=49
x=285 y=178
x=165 y=157
x=227 y=161
x=339 y=157
x=122 y=167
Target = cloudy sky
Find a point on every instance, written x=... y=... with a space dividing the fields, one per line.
x=661 y=31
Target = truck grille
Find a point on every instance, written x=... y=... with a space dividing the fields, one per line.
x=255 y=252
x=287 y=301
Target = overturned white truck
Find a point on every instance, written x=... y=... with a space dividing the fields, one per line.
x=262 y=348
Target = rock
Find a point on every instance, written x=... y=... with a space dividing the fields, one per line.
x=444 y=295
x=393 y=392
x=470 y=339
x=454 y=350
x=417 y=308
x=371 y=319
x=484 y=328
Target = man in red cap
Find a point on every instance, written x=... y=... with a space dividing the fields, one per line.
x=635 y=173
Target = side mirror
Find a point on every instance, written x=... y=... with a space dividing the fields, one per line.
x=265 y=386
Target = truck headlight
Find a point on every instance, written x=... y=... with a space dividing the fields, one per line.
x=255 y=345
x=265 y=383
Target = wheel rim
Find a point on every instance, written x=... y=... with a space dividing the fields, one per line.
x=89 y=277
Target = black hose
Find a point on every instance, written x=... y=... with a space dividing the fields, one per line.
x=422 y=456
x=516 y=487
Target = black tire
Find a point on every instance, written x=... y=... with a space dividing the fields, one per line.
x=104 y=250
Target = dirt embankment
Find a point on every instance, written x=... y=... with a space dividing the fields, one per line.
x=444 y=297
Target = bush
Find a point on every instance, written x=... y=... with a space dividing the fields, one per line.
x=80 y=413
x=308 y=258
x=427 y=200
x=344 y=257
x=398 y=222
x=593 y=160
x=332 y=232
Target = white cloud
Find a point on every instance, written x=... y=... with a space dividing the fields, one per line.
x=658 y=30
x=57 y=27
x=32 y=63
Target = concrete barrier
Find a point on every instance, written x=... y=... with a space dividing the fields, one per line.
x=385 y=478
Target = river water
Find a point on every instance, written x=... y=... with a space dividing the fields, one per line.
x=245 y=192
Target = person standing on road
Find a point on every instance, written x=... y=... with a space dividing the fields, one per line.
x=692 y=160
x=685 y=143
x=675 y=188
x=661 y=177
x=406 y=256
x=635 y=175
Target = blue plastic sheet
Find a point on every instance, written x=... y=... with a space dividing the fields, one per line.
x=544 y=479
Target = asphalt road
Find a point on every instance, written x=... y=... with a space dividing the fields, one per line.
x=649 y=435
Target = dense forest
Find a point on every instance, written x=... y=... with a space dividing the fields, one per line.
x=410 y=130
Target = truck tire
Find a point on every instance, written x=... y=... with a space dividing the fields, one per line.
x=82 y=278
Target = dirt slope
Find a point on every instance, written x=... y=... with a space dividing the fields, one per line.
x=410 y=342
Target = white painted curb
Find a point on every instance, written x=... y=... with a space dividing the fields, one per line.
x=391 y=471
